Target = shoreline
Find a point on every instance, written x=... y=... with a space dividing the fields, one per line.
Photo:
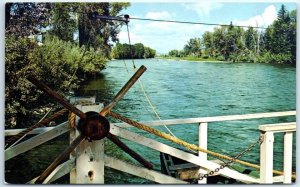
x=191 y=60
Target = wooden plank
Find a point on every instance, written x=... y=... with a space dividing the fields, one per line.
x=12 y=132
x=266 y=158
x=287 y=157
x=60 y=171
x=89 y=157
x=140 y=171
x=179 y=154
x=213 y=119
x=36 y=141
x=278 y=127
x=278 y=179
x=202 y=141
x=186 y=121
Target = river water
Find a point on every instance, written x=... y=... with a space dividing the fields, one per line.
x=182 y=89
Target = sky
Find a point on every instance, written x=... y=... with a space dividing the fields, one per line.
x=164 y=37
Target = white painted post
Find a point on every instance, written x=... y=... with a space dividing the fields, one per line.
x=203 y=144
x=89 y=157
x=266 y=158
x=287 y=155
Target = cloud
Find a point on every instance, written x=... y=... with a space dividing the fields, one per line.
x=162 y=36
x=263 y=20
x=203 y=9
x=158 y=15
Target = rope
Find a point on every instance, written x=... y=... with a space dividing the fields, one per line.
x=71 y=119
x=185 y=144
x=39 y=124
x=141 y=84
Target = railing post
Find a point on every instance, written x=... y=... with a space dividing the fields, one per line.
x=287 y=156
x=89 y=156
x=203 y=144
x=266 y=158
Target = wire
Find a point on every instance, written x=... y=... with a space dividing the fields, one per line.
x=195 y=23
x=172 y=21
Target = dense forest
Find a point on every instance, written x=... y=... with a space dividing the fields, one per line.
x=56 y=42
x=138 y=50
x=275 y=44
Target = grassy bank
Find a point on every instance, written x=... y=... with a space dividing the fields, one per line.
x=189 y=58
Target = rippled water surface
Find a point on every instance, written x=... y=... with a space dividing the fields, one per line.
x=180 y=90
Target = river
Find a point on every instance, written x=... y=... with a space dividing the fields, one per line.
x=182 y=89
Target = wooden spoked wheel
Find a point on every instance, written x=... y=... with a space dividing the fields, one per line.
x=92 y=125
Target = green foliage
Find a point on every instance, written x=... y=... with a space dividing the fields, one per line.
x=98 y=33
x=25 y=19
x=277 y=44
x=193 y=47
x=63 y=21
x=123 y=51
x=57 y=63
x=272 y=58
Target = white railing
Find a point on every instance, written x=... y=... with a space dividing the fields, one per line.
x=266 y=151
x=47 y=133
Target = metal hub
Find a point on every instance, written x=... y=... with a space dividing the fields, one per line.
x=94 y=126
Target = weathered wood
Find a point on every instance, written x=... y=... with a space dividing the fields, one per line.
x=12 y=132
x=89 y=163
x=266 y=158
x=89 y=156
x=55 y=96
x=123 y=90
x=36 y=141
x=279 y=127
x=59 y=159
x=140 y=171
x=202 y=141
x=179 y=154
x=287 y=157
x=59 y=171
x=188 y=121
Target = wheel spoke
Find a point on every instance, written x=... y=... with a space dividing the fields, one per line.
x=59 y=159
x=129 y=151
x=55 y=96
x=123 y=91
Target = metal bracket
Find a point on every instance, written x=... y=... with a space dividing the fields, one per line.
x=95 y=15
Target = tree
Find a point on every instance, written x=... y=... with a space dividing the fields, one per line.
x=25 y=19
x=138 y=50
x=63 y=21
x=193 y=47
x=207 y=42
x=97 y=33
x=122 y=51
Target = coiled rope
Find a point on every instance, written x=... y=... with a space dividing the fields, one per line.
x=186 y=144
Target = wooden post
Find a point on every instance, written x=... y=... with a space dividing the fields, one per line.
x=203 y=144
x=89 y=157
x=266 y=158
x=287 y=155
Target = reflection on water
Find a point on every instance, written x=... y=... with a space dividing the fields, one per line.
x=189 y=89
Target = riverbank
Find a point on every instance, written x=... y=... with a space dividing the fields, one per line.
x=189 y=58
